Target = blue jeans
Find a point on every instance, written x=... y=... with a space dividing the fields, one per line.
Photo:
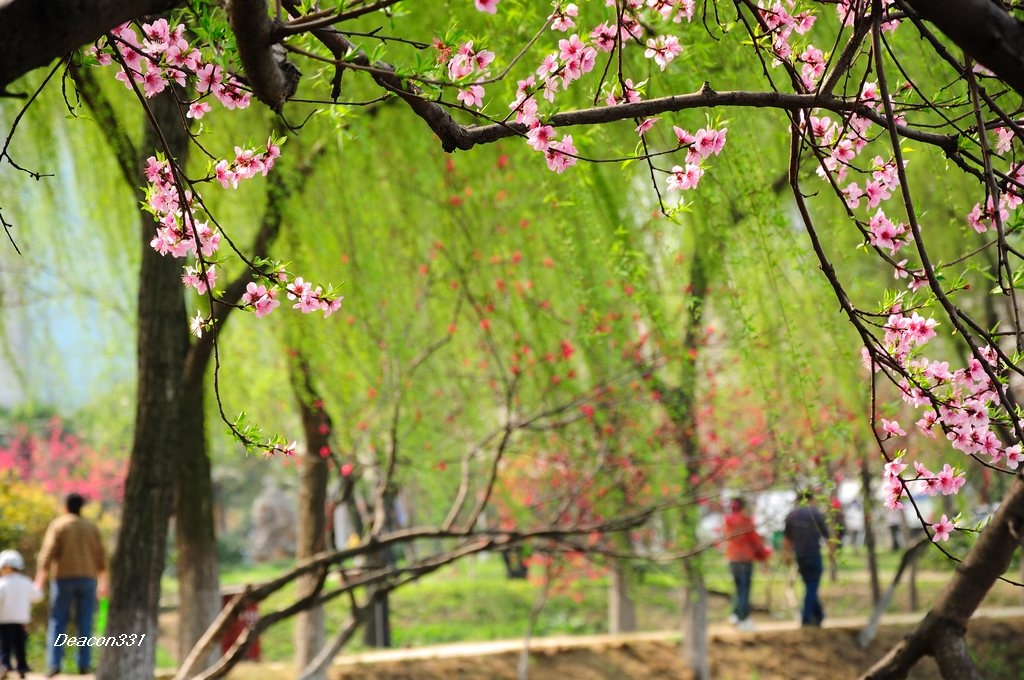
x=811 y=569
x=743 y=576
x=64 y=591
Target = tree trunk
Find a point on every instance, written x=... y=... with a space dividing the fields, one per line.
x=138 y=560
x=195 y=507
x=695 y=621
x=871 y=547
x=621 y=609
x=316 y=424
x=194 y=529
x=941 y=633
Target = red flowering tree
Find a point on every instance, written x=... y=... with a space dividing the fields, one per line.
x=59 y=462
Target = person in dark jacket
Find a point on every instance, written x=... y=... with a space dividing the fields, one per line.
x=804 y=532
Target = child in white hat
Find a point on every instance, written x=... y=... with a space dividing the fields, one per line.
x=17 y=593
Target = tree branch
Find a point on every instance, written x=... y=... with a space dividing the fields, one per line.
x=33 y=33
x=272 y=77
x=984 y=29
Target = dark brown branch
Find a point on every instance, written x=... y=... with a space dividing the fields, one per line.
x=984 y=29
x=34 y=33
x=272 y=77
x=948 y=618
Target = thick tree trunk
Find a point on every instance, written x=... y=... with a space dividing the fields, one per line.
x=138 y=560
x=621 y=609
x=195 y=511
x=941 y=633
x=312 y=539
x=194 y=533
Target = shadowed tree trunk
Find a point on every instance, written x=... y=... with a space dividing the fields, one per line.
x=316 y=426
x=138 y=560
x=195 y=523
x=195 y=535
x=941 y=633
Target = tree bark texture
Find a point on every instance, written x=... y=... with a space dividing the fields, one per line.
x=941 y=633
x=138 y=560
x=312 y=539
x=195 y=513
x=984 y=30
x=33 y=33
x=195 y=536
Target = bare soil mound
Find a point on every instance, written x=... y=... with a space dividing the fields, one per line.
x=801 y=654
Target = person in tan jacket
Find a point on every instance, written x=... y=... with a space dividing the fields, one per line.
x=73 y=558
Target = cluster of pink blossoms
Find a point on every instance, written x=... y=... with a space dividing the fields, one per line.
x=981 y=219
x=160 y=56
x=179 y=233
x=843 y=142
x=163 y=55
x=704 y=143
x=465 y=63
x=957 y=401
x=576 y=56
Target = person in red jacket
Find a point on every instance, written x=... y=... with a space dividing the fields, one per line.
x=743 y=547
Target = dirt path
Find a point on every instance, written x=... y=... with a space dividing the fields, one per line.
x=477 y=649
x=776 y=650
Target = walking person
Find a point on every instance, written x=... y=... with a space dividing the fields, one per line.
x=805 y=529
x=73 y=557
x=743 y=547
x=17 y=593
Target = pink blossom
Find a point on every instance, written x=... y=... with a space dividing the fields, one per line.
x=548 y=66
x=604 y=37
x=1014 y=456
x=852 y=194
x=197 y=324
x=540 y=137
x=489 y=6
x=683 y=137
x=201 y=280
x=330 y=307
x=682 y=179
x=942 y=529
x=868 y=361
x=949 y=481
x=198 y=109
x=1004 y=140
x=222 y=173
x=562 y=18
x=663 y=49
x=892 y=470
x=472 y=96
x=561 y=155
x=926 y=423
x=208 y=78
x=708 y=141
x=892 y=428
x=526 y=111
x=645 y=125
x=876 y=193
x=298 y=288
